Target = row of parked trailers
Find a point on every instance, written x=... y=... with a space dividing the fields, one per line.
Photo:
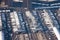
x=25 y=25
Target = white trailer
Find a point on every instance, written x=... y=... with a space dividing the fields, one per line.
x=32 y=23
x=56 y=32
x=1 y=35
x=15 y=21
